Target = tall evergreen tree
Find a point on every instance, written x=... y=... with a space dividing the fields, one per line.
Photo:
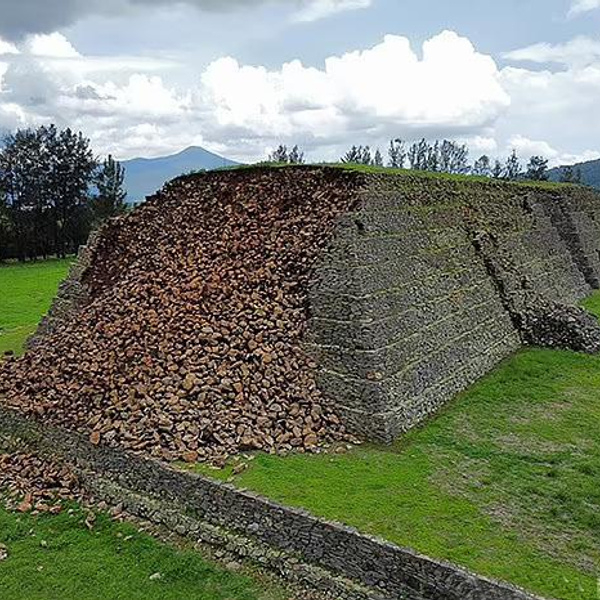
x=453 y=157
x=482 y=166
x=497 y=170
x=110 y=199
x=358 y=155
x=353 y=156
x=418 y=155
x=366 y=158
x=459 y=163
x=513 y=167
x=446 y=153
x=45 y=176
x=396 y=154
x=280 y=155
x=433 y=157
x=422 y=152
x=296 y=156
x=73 y=171
x=378 y=158
x=413 y=156
x=537 y=169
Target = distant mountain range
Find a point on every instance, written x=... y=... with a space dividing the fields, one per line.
x=590 y=172
x=144 y=176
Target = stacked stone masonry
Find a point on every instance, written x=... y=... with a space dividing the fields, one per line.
x=431 y=282
x=71 y=295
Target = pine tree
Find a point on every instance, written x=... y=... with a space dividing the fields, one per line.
x=433 y=157
x=422 y=151
x=413 y=156
x=45 y=175
x=74 y=170
x=353 y=156
x=296 y=156
x=378 y=158
x=396 y=154
x=446 y=153
x=366 y=156
x=358 y=155
x=498 y=170
x=280 y=155
x=110 y=199
x=482 y=166
x=459 y=163
x=513 y=167
x=537 y=169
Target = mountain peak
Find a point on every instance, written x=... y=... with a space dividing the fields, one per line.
x=144 y=176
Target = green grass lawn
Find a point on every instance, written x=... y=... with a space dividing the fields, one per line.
x=505 y=482
x=58 y=558
x=26 y=292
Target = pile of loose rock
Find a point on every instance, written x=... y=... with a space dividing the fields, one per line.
x=30 y=483
x=190 y=345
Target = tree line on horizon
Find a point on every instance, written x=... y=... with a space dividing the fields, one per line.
x=440 y=156
x=53 y=192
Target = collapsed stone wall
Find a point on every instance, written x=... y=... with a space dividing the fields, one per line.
x=418 y=286
x=180 y=335
x=431 y=282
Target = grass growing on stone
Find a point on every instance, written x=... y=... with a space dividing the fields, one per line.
x=26 y=292
x=58 y=558
x=376 y=170
x=505 y=482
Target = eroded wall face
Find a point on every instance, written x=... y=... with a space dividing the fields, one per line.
x=429 y=285
x=576 y=216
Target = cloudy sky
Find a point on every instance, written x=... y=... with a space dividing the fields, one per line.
x=151 y=77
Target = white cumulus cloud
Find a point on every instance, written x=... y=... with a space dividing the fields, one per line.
x=54 y=45
x=446 y=88
x=387 y=88
x=364 y=96
x=553 y=111
x=526 y=148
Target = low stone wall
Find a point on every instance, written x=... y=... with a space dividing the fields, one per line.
x=331 y=557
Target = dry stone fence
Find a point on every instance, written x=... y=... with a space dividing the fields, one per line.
x=286 y=309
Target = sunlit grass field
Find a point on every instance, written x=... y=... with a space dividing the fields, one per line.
x=59 y=558
x=26 y=292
